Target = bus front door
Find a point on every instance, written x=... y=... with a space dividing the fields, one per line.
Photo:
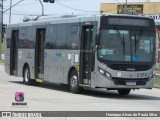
x=14 y=52
x=39 y=53
x=86 y=55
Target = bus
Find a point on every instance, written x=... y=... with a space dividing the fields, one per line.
x=114 y=52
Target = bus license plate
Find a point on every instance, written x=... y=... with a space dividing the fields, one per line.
x=131 y=83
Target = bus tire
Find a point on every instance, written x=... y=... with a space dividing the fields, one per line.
x=74 y=82
x=26 y=76
x=124 y=91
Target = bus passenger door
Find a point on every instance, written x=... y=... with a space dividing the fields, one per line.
x=86 y=54
x=14 y=52
x=39 y=53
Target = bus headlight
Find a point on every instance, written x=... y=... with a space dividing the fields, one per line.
x=101 y=71
x=105 y=73
x=151 y=75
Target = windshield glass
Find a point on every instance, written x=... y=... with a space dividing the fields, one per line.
x=126 y=45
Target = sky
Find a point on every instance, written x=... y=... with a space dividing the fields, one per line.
x=32 y=8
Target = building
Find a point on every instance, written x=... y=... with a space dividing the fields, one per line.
x=147 y=7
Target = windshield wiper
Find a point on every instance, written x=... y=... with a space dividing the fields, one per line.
x=138 y=40
x=119 y=35
x=135 y=43
x=121 y=39
x=123 y=45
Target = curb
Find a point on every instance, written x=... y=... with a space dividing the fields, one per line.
x=156 y=86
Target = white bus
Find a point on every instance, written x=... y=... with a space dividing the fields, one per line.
x=116 y=52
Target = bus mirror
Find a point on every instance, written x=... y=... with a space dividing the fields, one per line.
x=97 y=39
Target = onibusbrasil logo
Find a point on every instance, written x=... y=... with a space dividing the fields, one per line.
x=19 y=99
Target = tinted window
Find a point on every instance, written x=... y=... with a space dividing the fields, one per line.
x=62 y=37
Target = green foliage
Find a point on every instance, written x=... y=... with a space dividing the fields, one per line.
x=1 y=61
x=157 y=81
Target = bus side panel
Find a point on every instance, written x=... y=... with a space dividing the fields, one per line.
x=51 y=65
x=21 y=49
x=22 y=59
x=51 y=59
x=31 y=37
x=70 y=56
x=30 y=61
x=26 y=50
x=7 y=51
x=61 y=51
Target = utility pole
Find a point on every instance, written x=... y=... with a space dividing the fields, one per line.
x=42 y=7
x=1 y=27
x=125 y=8
x=10 y=8
x=10 y=11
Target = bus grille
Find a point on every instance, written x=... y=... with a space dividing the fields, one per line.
x=122 y=81
x=128 y=67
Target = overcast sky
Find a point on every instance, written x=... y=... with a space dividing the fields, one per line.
x=60 y=7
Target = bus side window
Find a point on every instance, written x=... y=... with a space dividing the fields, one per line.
x=62 y=36
x=8 y=38
x=23 y=42
x=51 y=37
x=30 y=36
x=73 y=38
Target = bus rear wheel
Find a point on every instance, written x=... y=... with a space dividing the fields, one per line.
x=26 y=76
x=124 y=91
x=74 y=82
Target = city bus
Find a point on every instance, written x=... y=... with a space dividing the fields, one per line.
x=113 y=52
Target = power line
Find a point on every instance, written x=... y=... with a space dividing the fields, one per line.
x=25 y=4
x=22 y=14
x=74 y=8
x=117 y=1
x=13 y=5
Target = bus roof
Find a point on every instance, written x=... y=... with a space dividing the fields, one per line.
x=69 y=19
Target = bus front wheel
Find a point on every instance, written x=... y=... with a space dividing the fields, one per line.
x=124 y=91
x=74 y=82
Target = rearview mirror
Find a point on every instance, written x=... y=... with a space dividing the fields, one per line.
x=97 y=39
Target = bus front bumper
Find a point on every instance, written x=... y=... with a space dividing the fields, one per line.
x=103 y=82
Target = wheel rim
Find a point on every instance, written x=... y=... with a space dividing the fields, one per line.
x=26 y=75
x=74 y=81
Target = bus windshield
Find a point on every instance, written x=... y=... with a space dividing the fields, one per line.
x=126 y=45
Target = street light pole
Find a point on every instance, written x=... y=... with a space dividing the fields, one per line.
x=1 y=31
x=42 y=7
x=10 y=11
x=125 y=8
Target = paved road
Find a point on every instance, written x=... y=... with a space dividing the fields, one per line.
x=47 y=97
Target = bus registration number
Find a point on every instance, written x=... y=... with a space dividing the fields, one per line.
x=140 y=75
x=131 y=83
